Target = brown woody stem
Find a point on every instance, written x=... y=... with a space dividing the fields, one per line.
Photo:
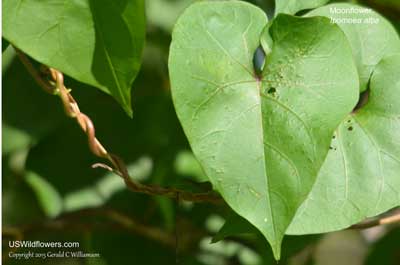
x=72 y=110
x=388 y=218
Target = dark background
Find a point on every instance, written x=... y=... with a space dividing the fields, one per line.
x=51 y=193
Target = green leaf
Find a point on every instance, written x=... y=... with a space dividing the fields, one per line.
x=154 y=131
x=97 y=194
x=97 y=42
x=294 y=6
x=360 y=177
x=186 y=164
x=370 y=42
x=13 y=139
x=50 y=200
x=256 y=139
x=236 y=226
x=164 y=13
x=19 y=203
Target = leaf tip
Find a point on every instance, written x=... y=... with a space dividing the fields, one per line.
x=129 y=111
x=276 y=250
x=276 y=246
x=127 y=108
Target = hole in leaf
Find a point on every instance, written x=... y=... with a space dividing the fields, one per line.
x=272 y=90
x=258 y=61
x=350 y=128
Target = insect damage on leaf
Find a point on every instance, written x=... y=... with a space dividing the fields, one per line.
x=257 y=148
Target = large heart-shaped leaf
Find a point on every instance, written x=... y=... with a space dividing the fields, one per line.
x=261 y=141
x=294 y=6
x=98 y=42
x=371 y=36
x=361 y=175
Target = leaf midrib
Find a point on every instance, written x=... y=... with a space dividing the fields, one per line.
x=259 y=87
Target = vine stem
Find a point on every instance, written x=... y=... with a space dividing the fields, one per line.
x=389 y=218
x=118 y=166
x=57 y=87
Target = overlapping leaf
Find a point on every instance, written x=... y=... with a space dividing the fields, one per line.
x=238 y=227
x=360 y=177
x=97 y=42
x=261 y=141
x=294 y=6
x=153 y=132
x=371 y=36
